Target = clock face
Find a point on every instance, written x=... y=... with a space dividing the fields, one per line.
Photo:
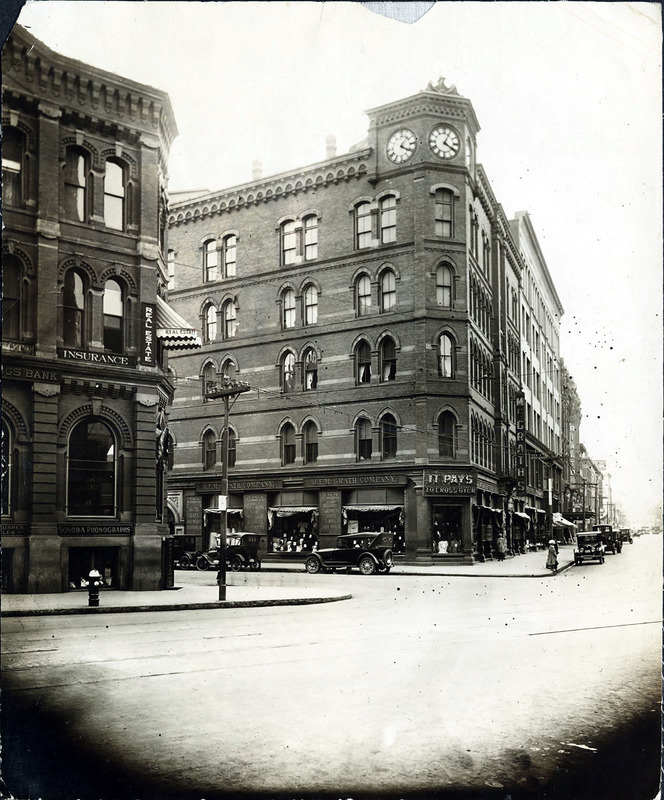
x=401 y=146
x=444 y=141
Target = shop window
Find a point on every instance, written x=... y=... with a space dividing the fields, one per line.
x=310 y=305
x=229 y=255
x=76 y=184
x=287 y=444
x=74 y=306
x=388 y=436
x=388 y=220
x=288 y=309
x=12 y=305
x=444 y=213
x=445 y=356
x=114 y=196
x=209 y=449
x=363 y=362
x=288 y=372
x=310 y=237
x=230 y=320
x=363 y=296
x=310 y=370
x=288 y=236
x=7 y=472
x=388 y=359
x=91 y=473
x=113 y=307
x=363 y=443
x=363 y=226
x=444 y=286
x=447 y=435
x=13 y=166
x=210 y=323
x=310 y=443
x=210 y=260
x=388 y=291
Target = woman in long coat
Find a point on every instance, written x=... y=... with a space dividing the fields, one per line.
x=552 y=559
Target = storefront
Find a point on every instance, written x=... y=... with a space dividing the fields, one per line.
x=449 y=495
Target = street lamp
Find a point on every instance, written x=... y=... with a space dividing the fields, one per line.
x=229 y=388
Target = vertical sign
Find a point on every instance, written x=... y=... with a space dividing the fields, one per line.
x=521 y=443
x=148 y=333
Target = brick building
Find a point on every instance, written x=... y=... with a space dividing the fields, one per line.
x=86 y=390
x=373 y=301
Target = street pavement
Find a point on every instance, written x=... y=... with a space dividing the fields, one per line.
x=190 y=596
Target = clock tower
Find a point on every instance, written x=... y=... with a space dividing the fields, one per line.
x=435 y=128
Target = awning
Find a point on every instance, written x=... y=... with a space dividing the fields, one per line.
x=561 y=522
x=289 y=511
x=372 y=507
x=522 y=515
x=173 y=330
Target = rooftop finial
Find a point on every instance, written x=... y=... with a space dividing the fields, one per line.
x=441 y=88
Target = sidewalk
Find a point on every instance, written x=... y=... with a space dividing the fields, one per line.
x=190 y=596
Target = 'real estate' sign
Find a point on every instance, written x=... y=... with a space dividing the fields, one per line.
x=95 y=530
x=438 y=481
x=112 y=359
x=148 y=311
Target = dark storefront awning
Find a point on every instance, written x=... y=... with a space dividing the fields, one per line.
x=561 y=522
x=173 y=330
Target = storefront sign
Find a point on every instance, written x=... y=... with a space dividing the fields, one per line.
x=521 y=443
x=14 y=528
x=449 y=482
x=356 y=480
x=18 y=347
x=209 y=487
x=193 y=512
x=249 y=486
x=31 y=374
x=112 y=359
x=95 y=530
x=148 y=333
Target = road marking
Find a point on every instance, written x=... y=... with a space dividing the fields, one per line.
x=598 y=627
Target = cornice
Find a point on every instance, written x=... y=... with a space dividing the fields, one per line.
x=426 y=102
x=83 y=92
x=344 y=168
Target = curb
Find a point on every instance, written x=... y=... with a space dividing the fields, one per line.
x=300 y=601
x=451 y=574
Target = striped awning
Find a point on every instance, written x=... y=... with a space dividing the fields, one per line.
x=173 y=330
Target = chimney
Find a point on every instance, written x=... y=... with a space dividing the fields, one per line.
x=256 y=169
x=330 y=146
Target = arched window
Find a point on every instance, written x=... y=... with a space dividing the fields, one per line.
x=209 y=449
x=310 y=237
x=232 y=448
x=444 y=285
x=91 y=470
x=13 y=155
x=388 y=219
x=230 y=321
x=310 y=305
x=363 y=296
x=210 y=323
x=12 y=271
x=76 y=180
x=209 y=379
x=114 y=196
x=447 y=436
x=7 y=471
x=74 y=302
x=310 y=370
x=229 y=255
x=444 y=213
x=288 y=243
x=388 y=359
x=170 y=267
x=363 y=440
x=228 y=369
x=288 y=372
x=210 y=260
x=310 y=443
x=288 y=444
x=288 y=309
x=388 y=436
x=113 y=316
x=363 y=225
x=445 y=356
x=363 y=362
x=388 y=291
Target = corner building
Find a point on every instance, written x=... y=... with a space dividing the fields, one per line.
x=372 y=302
x=86 y=392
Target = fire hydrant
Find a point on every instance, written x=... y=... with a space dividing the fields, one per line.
x=94 y=582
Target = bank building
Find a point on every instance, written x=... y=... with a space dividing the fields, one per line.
x=384 y=312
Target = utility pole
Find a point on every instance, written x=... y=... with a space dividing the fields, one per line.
x=229 y=388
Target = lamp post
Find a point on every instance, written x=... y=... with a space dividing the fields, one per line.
x=229 y=388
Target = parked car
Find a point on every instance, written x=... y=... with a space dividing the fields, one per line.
x=369 y=552
x=188 y=558
x=589 y=547
x=241 y=553
x=611 y=538
x=626 y=535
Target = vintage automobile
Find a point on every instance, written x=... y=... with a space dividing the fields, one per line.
x=626 y=535
x=188 y=558
x=589 y=547
x=241 y=553
x=611 y=538
x=368 y=551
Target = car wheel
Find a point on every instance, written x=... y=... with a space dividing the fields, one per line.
x=236 y=563
x=389 y=559
x=367 y=565
x=185 y=562
x=203 y=564
x=255 y=564
x=312 y=565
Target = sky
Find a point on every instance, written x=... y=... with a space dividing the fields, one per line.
x=568 y=96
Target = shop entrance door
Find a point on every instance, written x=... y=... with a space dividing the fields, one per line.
x=446 y=527
x=84 y=559
x=7 y=569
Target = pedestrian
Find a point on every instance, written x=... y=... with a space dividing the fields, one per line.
x=501 y=547
x=552 y=560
